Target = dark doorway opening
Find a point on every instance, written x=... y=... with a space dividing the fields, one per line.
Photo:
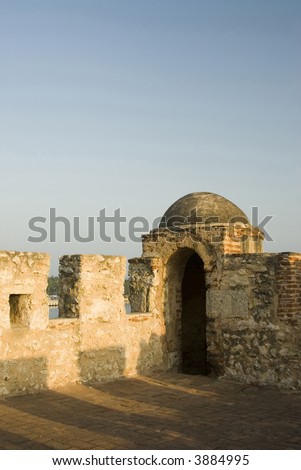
x=194 y=346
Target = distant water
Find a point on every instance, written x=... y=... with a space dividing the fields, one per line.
x=54 y=311
x=128 y=307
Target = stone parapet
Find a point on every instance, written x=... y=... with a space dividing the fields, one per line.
x=23 y=283
x=91 y=286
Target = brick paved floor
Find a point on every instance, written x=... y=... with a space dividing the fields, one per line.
x=166 y=411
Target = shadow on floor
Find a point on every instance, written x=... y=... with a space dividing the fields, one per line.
x=166 y=411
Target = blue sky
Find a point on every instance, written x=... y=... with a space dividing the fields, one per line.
x=132 y=104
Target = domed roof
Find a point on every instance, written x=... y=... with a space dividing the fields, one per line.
x=201 y=208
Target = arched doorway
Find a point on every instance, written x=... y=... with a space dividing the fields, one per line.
x=193 y=318
x=185 y=312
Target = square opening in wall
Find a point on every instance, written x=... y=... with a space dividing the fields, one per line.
x=20 y=306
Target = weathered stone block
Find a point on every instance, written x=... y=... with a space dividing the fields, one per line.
x=145 y=279
x=227 y=303
x=92 y=287
x=23 y=284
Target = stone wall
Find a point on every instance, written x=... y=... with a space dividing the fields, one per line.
x=91 y=287
x=249 y=337
x=252 y=316
x=23 y=282
x=93 y=339
x=253 y=310
x=146 y=284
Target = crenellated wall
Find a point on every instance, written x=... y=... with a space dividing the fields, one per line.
x=253 y=316
x=93 y=339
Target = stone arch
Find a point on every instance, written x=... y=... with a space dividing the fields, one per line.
x=164 y=244
x=185 y=310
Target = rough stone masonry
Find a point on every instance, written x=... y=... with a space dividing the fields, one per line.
x=205 y=300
